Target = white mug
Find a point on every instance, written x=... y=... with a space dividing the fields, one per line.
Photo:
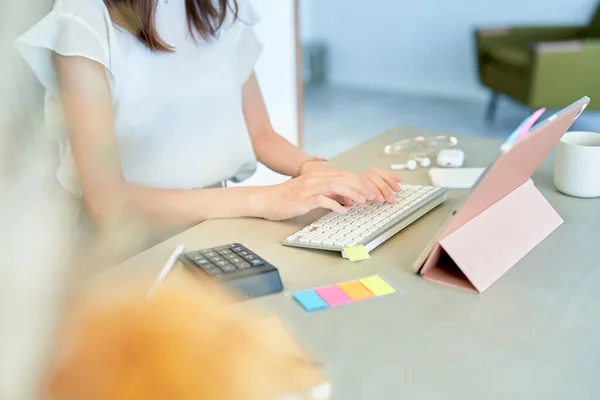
x=577 y=166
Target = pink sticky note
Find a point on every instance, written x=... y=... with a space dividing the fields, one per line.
x=333 y=296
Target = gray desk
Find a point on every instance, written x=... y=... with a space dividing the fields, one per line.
x=535 y=334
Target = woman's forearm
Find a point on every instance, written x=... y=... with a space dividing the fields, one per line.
x=165 y=207
x=278 y=154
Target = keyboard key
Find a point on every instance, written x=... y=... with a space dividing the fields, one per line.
x=341 y=242
x=329 y=241
x=319 y=239
x=345 y=231
x=327 y=217
x=308 y=238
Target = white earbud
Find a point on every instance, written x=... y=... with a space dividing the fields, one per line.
x=410 y=165
x=423 y=161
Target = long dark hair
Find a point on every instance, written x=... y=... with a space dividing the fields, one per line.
x=204 y=17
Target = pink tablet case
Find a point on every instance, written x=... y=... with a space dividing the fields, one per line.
x=503 y=219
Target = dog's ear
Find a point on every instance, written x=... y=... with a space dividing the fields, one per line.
x=188 y=342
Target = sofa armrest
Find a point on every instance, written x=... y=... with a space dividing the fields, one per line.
x=524 y=35
x=569 y=68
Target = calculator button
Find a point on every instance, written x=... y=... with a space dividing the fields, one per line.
x=236 y=260
x=243 y=265
x=211 y=254
x=224 y=252
x=231 y=256
x=257 y=263
x=237 y=248
x=228 y=268
x=206 y=251
x=214 y=271
x=221 y=263
x=244 y=253
x=250 y=257
x=201 y=262
x=216 y=259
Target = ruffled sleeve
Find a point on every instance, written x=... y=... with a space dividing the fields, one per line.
x=80 y=28
x=74 y=28
x=249 y=46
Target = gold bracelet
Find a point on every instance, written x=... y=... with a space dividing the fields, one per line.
x=306 y=161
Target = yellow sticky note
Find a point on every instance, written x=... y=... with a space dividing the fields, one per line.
x=377 y=286
x=357 y=253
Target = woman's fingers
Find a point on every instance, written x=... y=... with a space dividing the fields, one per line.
x=346 y=188
x=383 y=187
x=325 y=202
x=342 y=189
x=332 y=186
x=358 y=184
x=342 y=200
x=389 y=177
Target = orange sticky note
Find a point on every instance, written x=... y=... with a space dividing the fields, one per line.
x=355 y=290
x=377 y=286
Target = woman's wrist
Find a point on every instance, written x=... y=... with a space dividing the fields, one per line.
x=256 y=201
x=314 y=165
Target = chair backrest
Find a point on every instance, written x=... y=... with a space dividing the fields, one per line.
x=593 y=28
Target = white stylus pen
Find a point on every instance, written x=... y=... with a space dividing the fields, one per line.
x=164 y=272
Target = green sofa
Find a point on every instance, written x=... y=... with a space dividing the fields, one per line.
x=540 y=66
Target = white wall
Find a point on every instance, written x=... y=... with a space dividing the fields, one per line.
x=421 y=45
x=276 y=72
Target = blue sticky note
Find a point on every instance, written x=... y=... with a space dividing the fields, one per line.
x=310 y=300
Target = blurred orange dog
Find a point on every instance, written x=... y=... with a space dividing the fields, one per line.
x=188 y=343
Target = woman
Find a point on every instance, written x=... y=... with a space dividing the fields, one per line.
x=160 y=105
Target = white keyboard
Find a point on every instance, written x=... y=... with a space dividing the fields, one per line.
x=371 y=223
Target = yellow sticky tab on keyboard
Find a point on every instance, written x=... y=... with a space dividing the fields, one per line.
x=377 y=286
x=357 y=253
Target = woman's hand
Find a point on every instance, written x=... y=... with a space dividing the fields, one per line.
x=381 y=182
x=309 y=191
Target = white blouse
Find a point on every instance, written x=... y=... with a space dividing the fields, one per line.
x=178 y=116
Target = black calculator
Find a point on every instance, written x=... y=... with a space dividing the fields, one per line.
x=236 y=267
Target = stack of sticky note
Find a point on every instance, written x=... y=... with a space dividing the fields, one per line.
x=343 y=293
